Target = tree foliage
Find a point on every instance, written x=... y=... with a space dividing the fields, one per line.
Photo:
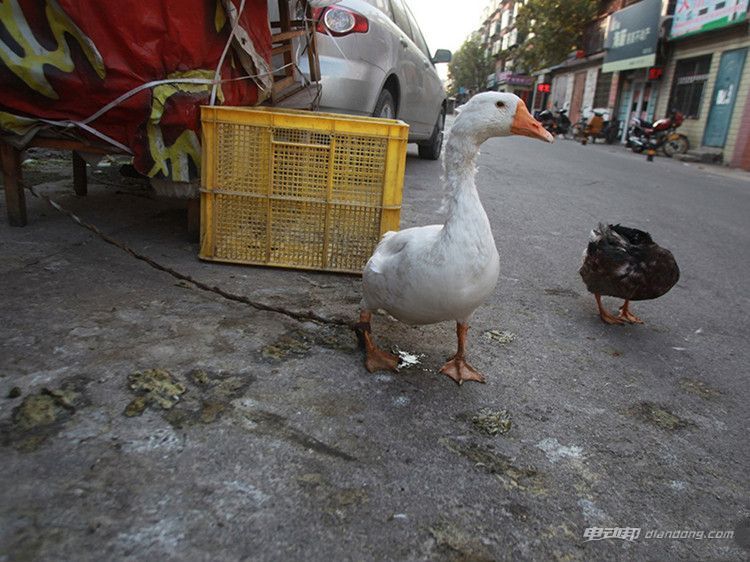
x=558 y=27
x=469 y=67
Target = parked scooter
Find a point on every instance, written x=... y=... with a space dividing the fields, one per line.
x=557 y=123
x=597 y=128
x=611 y=131
x=661 y=134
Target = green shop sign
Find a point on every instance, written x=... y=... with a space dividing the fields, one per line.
x=698 y=16
x=632 y=37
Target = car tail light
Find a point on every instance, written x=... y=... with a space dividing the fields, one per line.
x=339 y=21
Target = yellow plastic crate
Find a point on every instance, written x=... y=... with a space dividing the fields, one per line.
x=298 y=189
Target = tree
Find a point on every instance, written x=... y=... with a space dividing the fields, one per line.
x=558 y=27
x=469 y=67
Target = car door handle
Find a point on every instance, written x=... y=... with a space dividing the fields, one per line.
x=403 y=42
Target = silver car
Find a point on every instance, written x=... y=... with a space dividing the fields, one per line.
x=375 y=61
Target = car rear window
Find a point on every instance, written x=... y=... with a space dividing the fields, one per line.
x=400 y=18
x=382 y=5
x=416 y=35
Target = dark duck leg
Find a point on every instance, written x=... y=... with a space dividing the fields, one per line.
x=376 y=359
x=605 y=315
x=457 y=368
x=628 y=316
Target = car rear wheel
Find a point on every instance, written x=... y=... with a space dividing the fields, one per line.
x=430 y=149
x=386 y=107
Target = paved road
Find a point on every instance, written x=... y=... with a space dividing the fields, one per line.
x=282 y=447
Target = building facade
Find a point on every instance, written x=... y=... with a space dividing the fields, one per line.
x=581 y=83
x=636 y=54
x=501 y=38
x=707 y=77
x=643 y=58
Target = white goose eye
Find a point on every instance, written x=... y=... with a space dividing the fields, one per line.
x=500 y=104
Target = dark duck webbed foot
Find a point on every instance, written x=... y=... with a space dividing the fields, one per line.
x=605 y=315
x=457 y=368
x=628 y=316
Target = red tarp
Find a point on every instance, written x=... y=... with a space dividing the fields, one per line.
x=65 y=60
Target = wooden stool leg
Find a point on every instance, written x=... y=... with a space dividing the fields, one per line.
x=194 y=218
x=80 y=184
x=15 y=199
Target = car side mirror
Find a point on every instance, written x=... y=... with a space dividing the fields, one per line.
x=442 y=55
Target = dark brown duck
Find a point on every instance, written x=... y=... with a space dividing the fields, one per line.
x=626 y=263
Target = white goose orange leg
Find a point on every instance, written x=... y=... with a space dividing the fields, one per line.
x=628 y=316
x=457 y=368
x=604 y=314
x=376 y=359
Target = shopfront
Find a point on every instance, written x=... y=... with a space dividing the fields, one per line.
x=708 y=77
x=632 y=40
x=519 y=84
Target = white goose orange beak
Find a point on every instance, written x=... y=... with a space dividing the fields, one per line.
x=525 y=124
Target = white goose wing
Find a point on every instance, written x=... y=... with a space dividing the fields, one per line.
x=395 y=265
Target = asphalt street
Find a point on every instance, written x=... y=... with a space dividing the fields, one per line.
x=263 y=438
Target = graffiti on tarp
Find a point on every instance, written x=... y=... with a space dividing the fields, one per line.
x=28 y=64
x=174 y=160
x=130 y=75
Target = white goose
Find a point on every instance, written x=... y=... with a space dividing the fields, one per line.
x=434 y=273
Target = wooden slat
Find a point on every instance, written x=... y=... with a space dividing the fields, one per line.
x=312 y=51
x=304 y=99
x=194 y=218
x=293 y=23
x=282 y=84
x=281 y=49
x=279 y=96
x=15 y=199
x=287 y=35
x=80 y=184
x=70 y=144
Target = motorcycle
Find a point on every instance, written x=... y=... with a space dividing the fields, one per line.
x=556 y=124
x=661 y=134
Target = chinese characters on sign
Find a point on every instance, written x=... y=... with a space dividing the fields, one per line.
x=624 y=37
x=507 y=77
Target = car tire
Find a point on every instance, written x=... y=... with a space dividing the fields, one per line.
x=430 y=149
x=385 y=108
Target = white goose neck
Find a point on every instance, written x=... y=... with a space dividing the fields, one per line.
x=459 y=164
x=465 y=214
x=459 y=160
